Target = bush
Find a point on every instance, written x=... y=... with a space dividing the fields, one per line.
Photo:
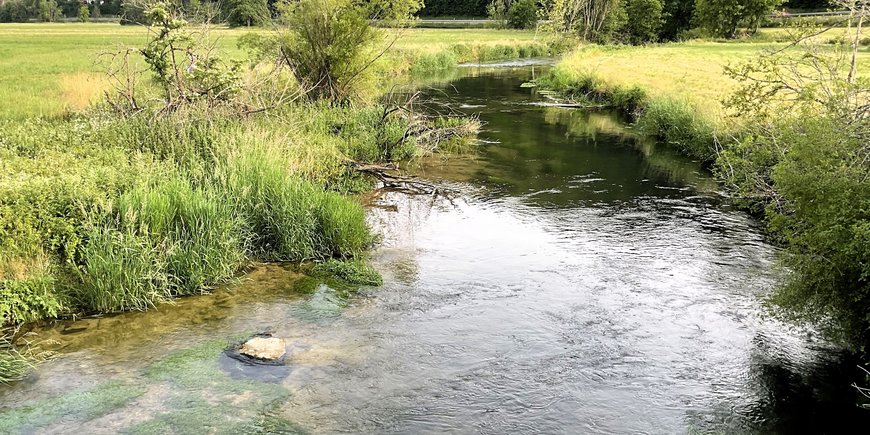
x=820 y=213
x=330 y=46
x=246 y=12
x=523 y=14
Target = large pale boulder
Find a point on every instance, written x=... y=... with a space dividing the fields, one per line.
x=265 y=348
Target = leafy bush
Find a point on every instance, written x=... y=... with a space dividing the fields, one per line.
x=523 y=14
x=246 y=12
x=330 y=46
x=810 y=177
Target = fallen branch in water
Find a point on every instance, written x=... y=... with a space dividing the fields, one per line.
x=390 y=179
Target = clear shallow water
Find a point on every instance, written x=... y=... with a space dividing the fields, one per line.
x=576 y=281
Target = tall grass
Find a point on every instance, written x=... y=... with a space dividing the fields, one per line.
x=675 y=121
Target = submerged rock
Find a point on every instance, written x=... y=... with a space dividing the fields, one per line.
x=264 y=348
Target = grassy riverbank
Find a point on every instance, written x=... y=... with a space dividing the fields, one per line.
x=801 y=166
x=103 y=212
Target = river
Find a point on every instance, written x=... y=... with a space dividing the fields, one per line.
x=570 y=278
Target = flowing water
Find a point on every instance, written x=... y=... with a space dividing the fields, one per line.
x=573 y=279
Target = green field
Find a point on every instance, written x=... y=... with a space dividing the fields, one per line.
x=49 y=68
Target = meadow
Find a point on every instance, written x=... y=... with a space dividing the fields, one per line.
x=49 y=68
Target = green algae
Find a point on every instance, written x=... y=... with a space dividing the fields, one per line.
x=205 y=398
x=79 y=406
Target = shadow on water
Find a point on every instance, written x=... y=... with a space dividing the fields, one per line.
x=581 y=280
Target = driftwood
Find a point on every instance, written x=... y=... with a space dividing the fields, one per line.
x=392 y=181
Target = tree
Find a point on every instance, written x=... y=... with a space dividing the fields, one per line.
x=722 y=18
x=523 y=14
x=49 y=11
x=246 y=12
x=592 y=20
x=84 y=14
x=14 y=11
x=677 y=18
x=497 y=10
x=643 y=20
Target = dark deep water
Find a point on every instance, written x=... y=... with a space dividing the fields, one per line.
x=577 y=280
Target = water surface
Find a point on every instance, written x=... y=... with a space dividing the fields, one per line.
x=576 y=279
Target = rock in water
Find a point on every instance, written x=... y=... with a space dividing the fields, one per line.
x=265 y=348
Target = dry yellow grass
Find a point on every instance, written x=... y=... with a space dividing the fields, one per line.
x=79 y=90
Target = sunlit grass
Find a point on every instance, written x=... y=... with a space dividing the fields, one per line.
x=43 y=65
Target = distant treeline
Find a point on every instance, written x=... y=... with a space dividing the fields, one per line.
x=477 y=8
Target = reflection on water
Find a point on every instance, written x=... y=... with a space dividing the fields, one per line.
x=579 y=280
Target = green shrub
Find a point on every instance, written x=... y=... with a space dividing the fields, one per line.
x=30 y=297
x=811 y=174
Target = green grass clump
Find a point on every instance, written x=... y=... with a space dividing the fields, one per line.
x=353 y=271
x=197 y=231
x=13 y=364
x=121 y=271
x=290 y=219
x=677 y=123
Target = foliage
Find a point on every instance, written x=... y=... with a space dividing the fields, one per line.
x=330 y=46
x=84 y=14
x=676 y=18
x=183 y=66
x=523 y=14
x=644 y=20
x=722 y=18
x=28 y=295
x=809 y=175
x=592 y=20
x=246 y=12
x=497 y=10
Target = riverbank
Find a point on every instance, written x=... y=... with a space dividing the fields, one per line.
x=149 y=207
x=804 y=170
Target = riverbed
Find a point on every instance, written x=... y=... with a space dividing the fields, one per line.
x=568 y=276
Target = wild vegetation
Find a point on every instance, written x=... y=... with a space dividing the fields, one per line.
x=806 y=173
x=195 y=164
